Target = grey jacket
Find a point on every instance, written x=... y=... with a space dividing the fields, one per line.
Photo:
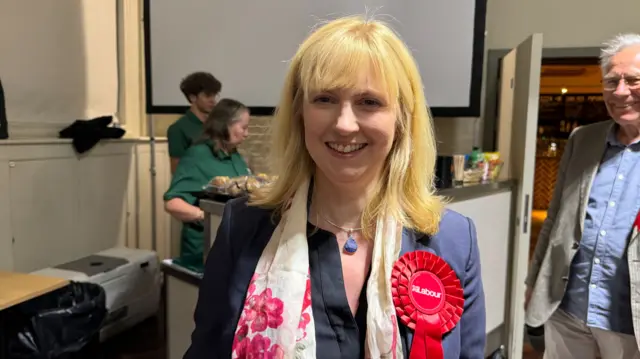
x=562 y=230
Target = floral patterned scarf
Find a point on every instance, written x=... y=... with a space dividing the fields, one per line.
x=277 y=320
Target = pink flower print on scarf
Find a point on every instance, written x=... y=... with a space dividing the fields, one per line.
x=261 y=311
x=258 y=347
x=305 y=318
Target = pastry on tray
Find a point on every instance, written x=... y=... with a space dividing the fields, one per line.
x=253 y=184
x=235 y=190
x=220 y=181
x=238 y=186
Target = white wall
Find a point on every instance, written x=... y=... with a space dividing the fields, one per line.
x=490 y=215
x=151 y=213
x=59 y=63
x=566 y=23
x=56 y=206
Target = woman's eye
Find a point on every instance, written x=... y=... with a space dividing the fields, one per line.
x=371 y=102
x=322 y=99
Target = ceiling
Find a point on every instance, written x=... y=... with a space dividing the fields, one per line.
x=576 y=79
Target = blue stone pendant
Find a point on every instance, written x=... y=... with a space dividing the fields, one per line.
x=350 y=246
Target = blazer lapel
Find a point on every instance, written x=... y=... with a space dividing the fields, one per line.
x=633 y=256
x=592 y=154
x=412 y=241
x=635 y=230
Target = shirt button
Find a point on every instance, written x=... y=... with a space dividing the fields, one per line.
x=596 y=261
x=612 y=204
x=593 y=286
x=620 y=177
x=603 y=232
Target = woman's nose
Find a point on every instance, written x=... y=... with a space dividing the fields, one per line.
x=347 y=121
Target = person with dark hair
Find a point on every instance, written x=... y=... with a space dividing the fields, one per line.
x=201 y=89
x=213 y=154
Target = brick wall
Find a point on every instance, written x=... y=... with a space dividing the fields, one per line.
x=454 y=135
x=256 y=148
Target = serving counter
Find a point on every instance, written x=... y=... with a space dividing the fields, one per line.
x=487 y=204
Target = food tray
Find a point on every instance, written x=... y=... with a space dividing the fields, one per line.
x=222 y=198
x=237 y=186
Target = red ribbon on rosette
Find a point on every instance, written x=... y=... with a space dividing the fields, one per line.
x=429 y=300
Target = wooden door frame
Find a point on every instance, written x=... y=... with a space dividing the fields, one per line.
x=493 y=59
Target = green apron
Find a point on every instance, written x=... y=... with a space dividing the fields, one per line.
x=196 y=168
x=182 y=134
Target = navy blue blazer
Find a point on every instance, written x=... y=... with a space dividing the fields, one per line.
x=244 y=232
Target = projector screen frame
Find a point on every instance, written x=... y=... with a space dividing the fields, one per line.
x=475 y=88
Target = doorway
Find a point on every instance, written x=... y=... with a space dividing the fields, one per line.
x=492 y=80
x=570 y=96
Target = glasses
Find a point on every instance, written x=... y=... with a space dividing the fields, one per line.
x=612 y=83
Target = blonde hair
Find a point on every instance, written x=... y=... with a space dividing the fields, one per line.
x=332 y=57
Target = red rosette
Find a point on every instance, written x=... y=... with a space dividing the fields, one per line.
x=428 y=298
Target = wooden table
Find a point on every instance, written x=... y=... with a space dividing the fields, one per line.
x=16 y=288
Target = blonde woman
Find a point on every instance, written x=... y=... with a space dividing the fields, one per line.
x=306 y=269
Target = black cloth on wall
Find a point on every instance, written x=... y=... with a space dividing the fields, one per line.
x=87 y=133
x=4 y=125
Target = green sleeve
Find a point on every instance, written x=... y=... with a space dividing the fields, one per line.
x=188 y=179
x=178 y=142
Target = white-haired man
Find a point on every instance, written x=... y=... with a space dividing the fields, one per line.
x=584 y=281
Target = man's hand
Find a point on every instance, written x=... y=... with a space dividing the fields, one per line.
x=527 y=296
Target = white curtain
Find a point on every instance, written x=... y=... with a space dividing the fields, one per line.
x=58 y=61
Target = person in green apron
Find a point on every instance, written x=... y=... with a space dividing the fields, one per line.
x=214 y=154
x=201 y=90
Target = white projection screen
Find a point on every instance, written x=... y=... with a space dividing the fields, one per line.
x=246 y=44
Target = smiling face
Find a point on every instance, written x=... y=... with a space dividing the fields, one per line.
x=349 y=132
x=621 y=87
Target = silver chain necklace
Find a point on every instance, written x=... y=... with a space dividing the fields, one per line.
x=350 y=246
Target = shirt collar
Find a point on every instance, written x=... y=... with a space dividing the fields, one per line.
x=222 y=155
x=218 y=152
x=192 y=116
x=612 y=138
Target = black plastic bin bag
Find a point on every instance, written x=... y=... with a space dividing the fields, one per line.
x=57 y=324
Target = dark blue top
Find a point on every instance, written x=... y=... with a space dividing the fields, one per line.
x=244 y=233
